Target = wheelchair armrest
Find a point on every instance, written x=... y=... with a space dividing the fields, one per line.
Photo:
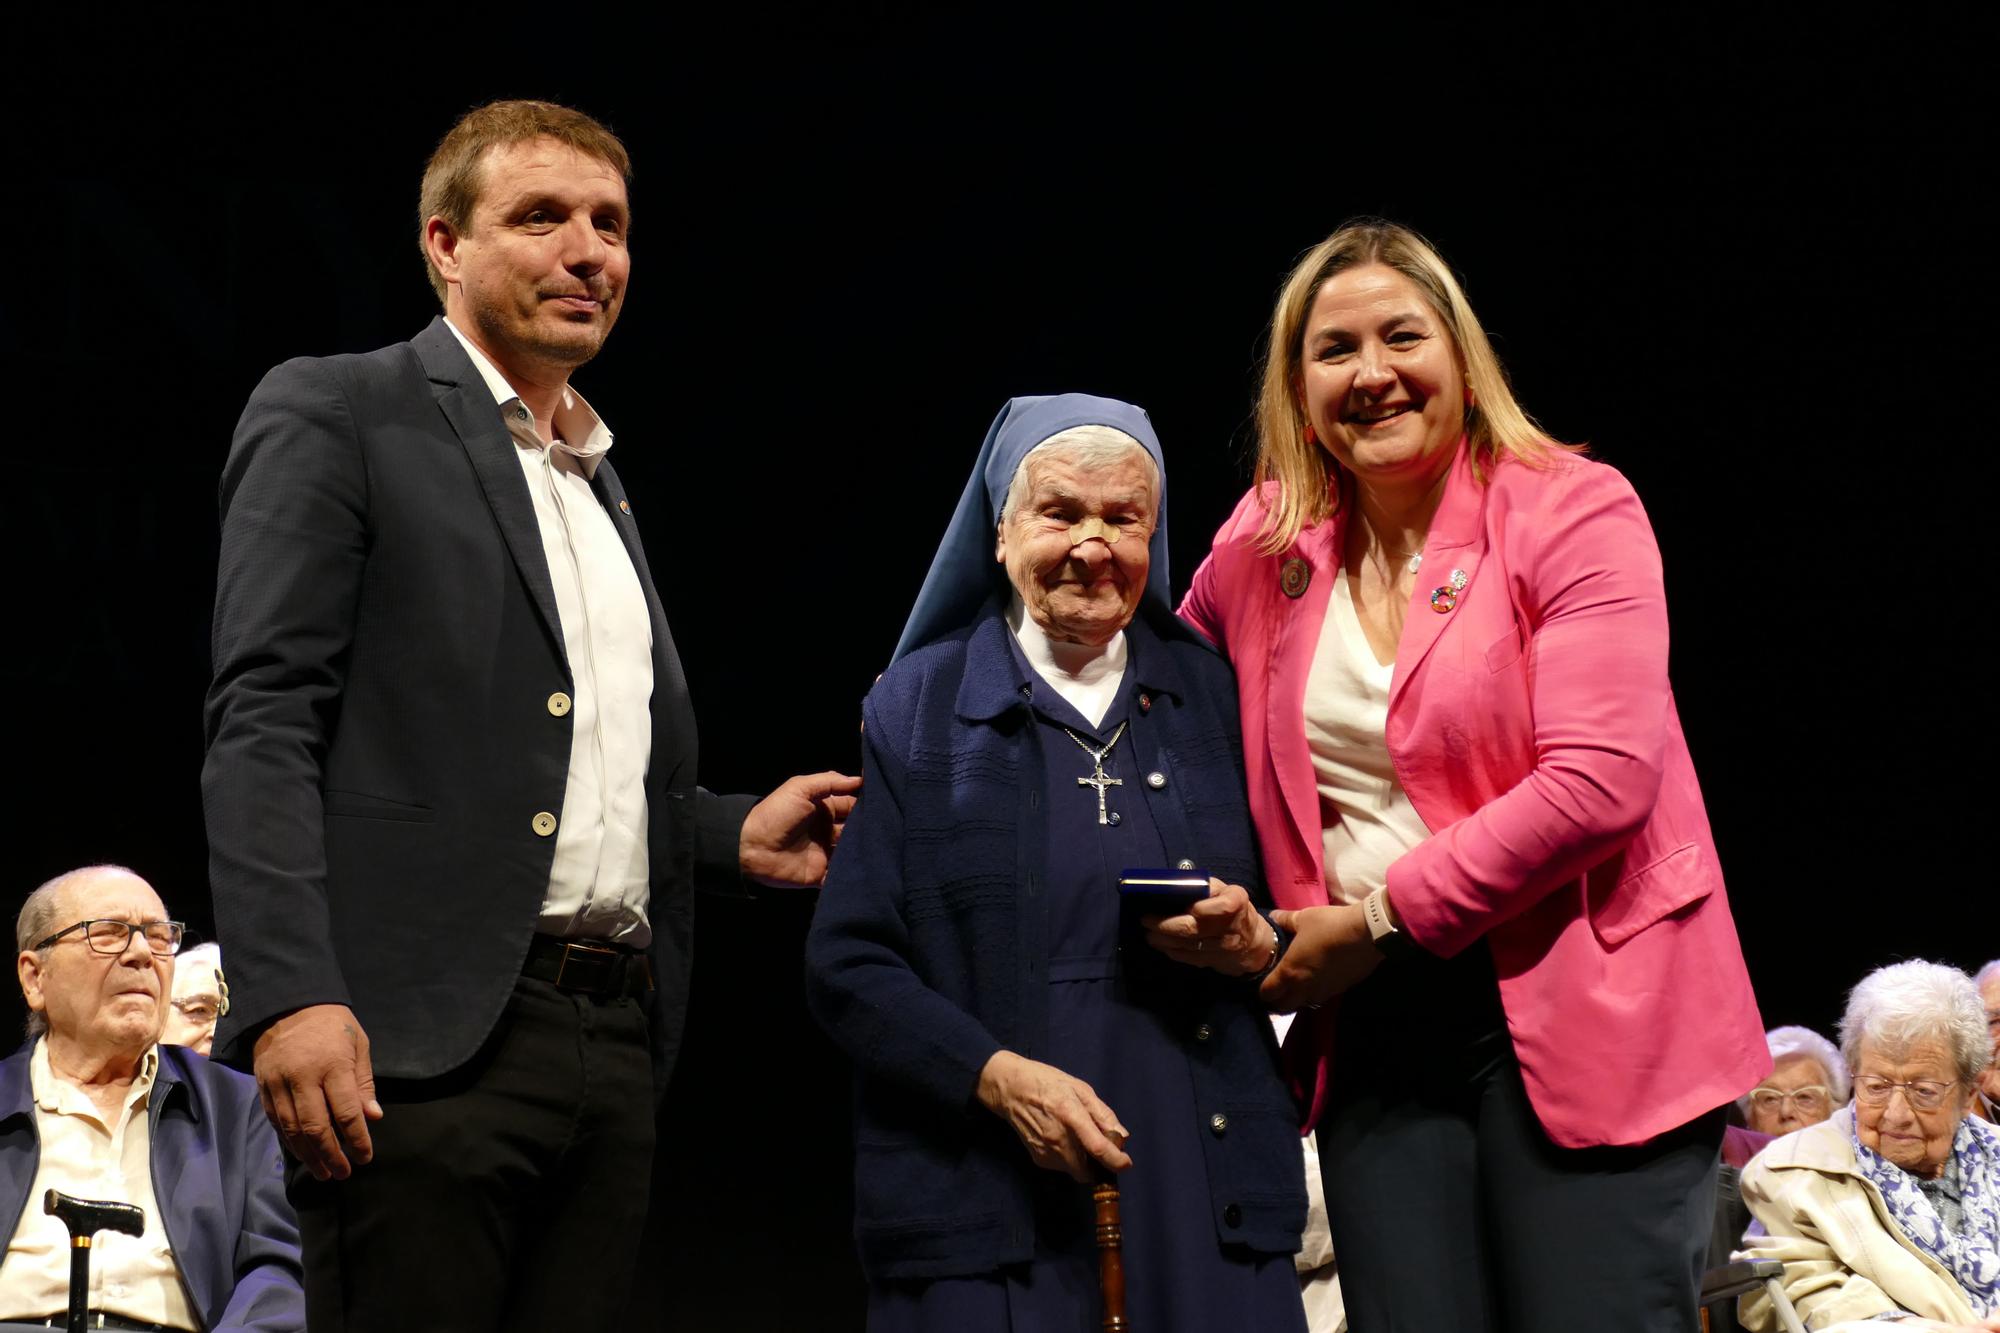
x=1738 y=1279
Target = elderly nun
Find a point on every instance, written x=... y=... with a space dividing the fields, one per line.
x=1890 y=1210
x=1046 y=725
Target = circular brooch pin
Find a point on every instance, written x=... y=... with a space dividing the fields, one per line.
x=1294 y=576
x=1445 y=598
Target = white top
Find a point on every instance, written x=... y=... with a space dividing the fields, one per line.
x=132 y=1276
x=1087 y=678
x=1366 y=820
x=597 y=887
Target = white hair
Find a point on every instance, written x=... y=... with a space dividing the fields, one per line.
x=1988 y=973
x=1896 y=1007
x=1787 y=1042
x=1084 y=447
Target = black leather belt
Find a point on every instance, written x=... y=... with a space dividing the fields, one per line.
x=588 y=967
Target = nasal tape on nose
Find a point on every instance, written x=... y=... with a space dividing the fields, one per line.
x=1083 y=531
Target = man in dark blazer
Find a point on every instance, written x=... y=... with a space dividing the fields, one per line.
x=450 y=785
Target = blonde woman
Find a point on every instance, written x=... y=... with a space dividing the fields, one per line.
x=1473 y=796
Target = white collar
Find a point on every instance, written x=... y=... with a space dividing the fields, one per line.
x=587 y=437
x=1087 y=677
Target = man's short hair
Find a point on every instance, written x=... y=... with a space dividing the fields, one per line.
x=456 y=172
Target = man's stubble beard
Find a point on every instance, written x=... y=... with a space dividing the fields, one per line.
x=559 y=355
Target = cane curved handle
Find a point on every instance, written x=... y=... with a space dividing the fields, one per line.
x=86 y=1217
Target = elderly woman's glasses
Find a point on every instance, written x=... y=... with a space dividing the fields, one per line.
x=199 y=1010
x=1810 y=1100
x=1925 y=1094
x=114 y=937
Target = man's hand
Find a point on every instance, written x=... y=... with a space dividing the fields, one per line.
x=1063 y=1124
x=789 y=836
x=318 y=1087
x=1223 y=931
x=1331 y=950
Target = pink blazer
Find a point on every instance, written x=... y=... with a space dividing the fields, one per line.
x=1534 y=730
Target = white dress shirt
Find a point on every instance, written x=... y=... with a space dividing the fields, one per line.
x=597 y=887
x=132 y=1276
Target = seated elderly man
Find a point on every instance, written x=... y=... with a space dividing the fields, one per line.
x=97 y=1107
x=1888 y=1213
x=1807 y=1080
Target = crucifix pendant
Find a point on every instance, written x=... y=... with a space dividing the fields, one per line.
x=1098 y=777
x=1101 y=782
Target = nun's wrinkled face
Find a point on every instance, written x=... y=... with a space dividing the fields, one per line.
x=1077 y=547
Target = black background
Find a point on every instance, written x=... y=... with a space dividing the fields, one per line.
x=1748 y=266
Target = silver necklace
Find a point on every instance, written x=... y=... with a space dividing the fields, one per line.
x=1098 y=778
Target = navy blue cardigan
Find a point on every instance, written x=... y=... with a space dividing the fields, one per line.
x=928 y=952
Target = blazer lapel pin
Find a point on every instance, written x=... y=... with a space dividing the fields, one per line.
x=1445 y=598
x=1293 y=577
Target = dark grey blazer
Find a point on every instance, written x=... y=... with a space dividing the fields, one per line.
x=379 y=733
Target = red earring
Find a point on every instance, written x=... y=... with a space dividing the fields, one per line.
x=1312 y=440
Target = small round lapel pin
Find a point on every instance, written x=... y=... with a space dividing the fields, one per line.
x=624 y=506
x=1293 y=577
x=1445 y=598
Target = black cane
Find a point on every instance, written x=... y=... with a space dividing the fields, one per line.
x=85 y=1218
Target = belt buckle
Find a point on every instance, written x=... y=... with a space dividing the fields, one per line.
x=573 y=948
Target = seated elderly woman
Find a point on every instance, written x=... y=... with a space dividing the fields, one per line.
x=1807 y=1080
x=1890 y=1210
x=1039 y=734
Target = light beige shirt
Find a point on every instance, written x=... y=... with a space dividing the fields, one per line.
x=133 y=1276
x=597 y=886
x=1366 y=818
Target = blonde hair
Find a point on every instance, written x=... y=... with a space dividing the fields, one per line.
x=1306 y=475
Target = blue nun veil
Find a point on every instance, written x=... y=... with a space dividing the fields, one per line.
x=964 y=574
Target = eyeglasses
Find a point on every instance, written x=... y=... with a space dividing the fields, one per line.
x=1811 y=1100
x=1925 y=1094
x=114 y=937
x=199 y=1010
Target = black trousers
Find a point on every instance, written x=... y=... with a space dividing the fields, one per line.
x=1451 y=1209
x=508 y=1194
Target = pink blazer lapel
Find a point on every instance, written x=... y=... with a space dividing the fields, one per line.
x=1292 y=649
x=1450 y=570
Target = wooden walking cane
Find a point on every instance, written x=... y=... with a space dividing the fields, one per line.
x=1110 y=1254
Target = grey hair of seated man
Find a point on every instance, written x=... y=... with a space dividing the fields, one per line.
x=1987 y=974
x=1084 y=447
x=1787 y=1042
x=1896 y=1008
x=37 y=921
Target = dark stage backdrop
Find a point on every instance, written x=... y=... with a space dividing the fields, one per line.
x=1745 y=270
